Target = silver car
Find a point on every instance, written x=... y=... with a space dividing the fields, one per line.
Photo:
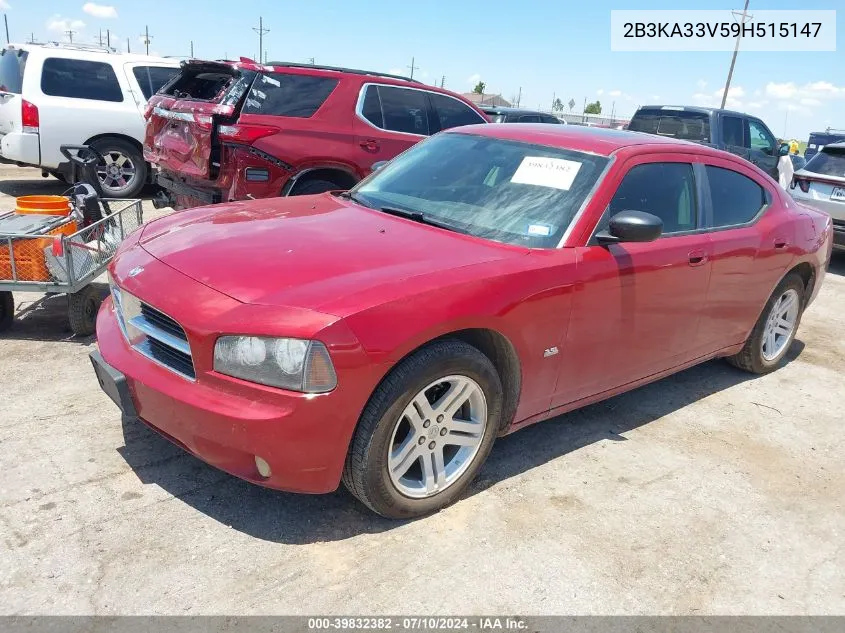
x=821 y=185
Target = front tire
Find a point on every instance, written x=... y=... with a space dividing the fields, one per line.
x=772 y=336
x=426 y=431
x=124 y=172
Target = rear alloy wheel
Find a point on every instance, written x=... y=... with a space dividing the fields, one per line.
x=123 y=172
x=775 y=330
x=426 y=431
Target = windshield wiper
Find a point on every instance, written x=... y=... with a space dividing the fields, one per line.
x=349 y=195
x=416 y=216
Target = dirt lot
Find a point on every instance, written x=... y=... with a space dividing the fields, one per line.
x=709 y=492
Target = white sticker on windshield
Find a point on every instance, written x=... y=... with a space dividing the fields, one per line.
x=539 y=229
x=546 y=172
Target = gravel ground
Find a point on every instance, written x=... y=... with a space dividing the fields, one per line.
x=711 y=492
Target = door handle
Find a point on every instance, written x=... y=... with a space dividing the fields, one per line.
x=697 y=258
x=370 y=145
x=781 y=244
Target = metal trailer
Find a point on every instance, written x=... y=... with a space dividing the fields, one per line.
x=72 y=261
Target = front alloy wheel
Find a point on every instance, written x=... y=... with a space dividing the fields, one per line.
x=437 y=436
x=426 y=431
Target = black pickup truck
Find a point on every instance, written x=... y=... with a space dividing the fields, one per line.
x=734 y=132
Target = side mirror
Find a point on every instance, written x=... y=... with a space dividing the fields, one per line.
x=631 y=226
x=378 y=165
x=783 y=150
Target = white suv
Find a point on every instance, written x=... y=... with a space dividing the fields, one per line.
x=67 y=94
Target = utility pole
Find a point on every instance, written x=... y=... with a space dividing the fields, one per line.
x=100 y=38
x=612 y=112
x=443 y=81
x=128 y=50
x=554 y=96
x=519 y=97
x=733 y=59
x=6 y=22
x=108 y=38
x=147 y=38
x=261 y=31
x=32 y=38
x=192 y=49
x=413 y=68
x=311 y=60
x=70 y=35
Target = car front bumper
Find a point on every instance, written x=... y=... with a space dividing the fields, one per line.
x=227 y=422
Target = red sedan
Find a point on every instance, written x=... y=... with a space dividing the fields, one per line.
x=488 y=278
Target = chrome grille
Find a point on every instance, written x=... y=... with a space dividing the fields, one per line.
x=154 y=334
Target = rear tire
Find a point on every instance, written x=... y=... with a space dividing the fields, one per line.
x=410 y=456
x=775 y=330
x=7 y=310
x=124 y=173
x=311 y=187
x=82 y=310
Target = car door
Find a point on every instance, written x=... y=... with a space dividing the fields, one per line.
x=734 y=135
x=636 y=307
x=763 y=148
x=389 y=120
x=750 y=250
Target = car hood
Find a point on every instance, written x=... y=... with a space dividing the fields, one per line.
x=309 y=251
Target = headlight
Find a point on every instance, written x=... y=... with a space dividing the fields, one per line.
x=288 y=363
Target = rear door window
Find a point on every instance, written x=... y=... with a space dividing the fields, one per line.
x=736 y=199
x=152 y=78
x=452 y=113
x=287 y=94
x=12 y=64
x=80 y=79
x=404 y=110
x=830 y=162
x=733 y=131
x=529 y=118
x=690 y=126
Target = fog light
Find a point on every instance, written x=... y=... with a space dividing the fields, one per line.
x=263 y=467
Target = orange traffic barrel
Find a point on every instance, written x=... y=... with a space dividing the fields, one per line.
x=44 y=205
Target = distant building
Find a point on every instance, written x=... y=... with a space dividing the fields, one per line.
x=488 y=100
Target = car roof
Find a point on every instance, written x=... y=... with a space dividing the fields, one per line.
x=84 y=51
x=686 y=108
x=836 y=145
x=597 y=140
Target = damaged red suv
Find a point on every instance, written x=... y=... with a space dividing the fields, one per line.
x=222 y=131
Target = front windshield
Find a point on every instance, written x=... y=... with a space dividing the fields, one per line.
x=507 y=191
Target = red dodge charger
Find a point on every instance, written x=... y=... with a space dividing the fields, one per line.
x=488 y=278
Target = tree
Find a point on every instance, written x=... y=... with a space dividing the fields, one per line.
x=479 y=88
x=557 y=105
x=571 y=104
x=593 y=108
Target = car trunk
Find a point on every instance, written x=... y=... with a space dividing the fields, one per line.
x=183 y=118
x=12 y=63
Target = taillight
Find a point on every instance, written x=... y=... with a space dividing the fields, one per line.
x=245 y=133
x=29 y=116
x=802 y=183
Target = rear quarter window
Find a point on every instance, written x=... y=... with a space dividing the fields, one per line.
x=152 y=78
x=285 y=94
x=80 y=79
x=736 y=199
x=12 y=64
x=453 y=113
x=689 y=126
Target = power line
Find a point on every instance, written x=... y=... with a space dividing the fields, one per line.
x=413 y=68
x=261 y=31
x=147 y=38
x=733 y=59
